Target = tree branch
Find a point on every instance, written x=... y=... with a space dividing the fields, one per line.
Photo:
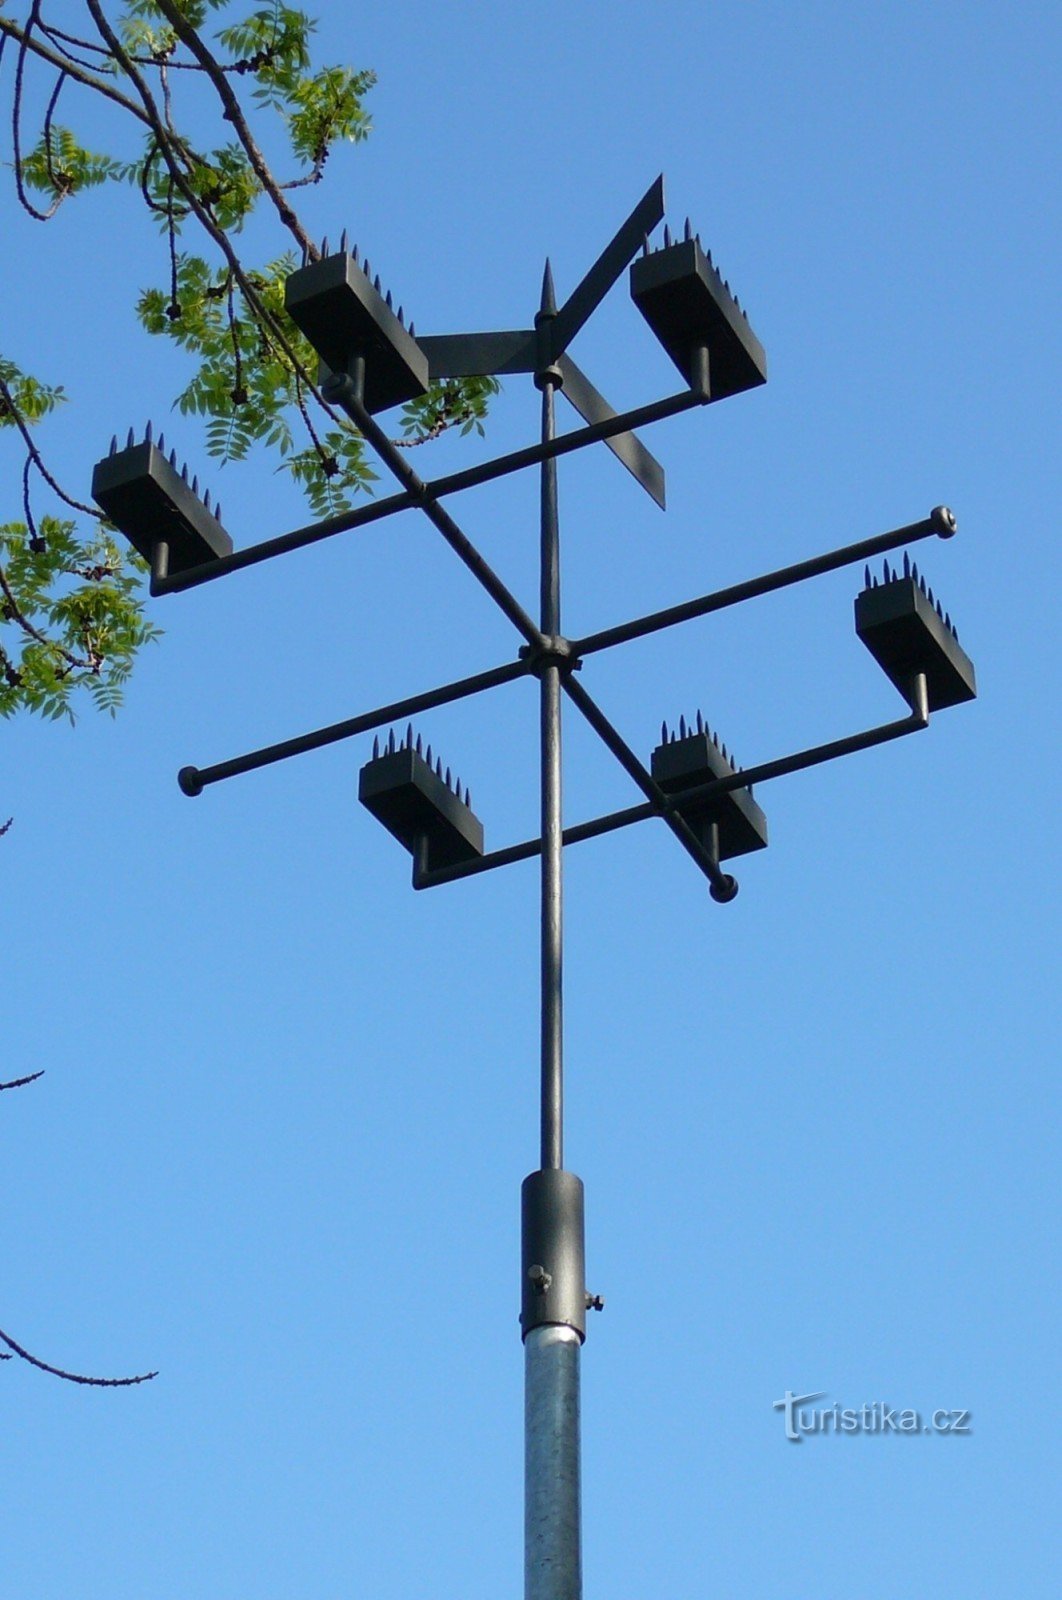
x=72 y=1377
x=89 y=79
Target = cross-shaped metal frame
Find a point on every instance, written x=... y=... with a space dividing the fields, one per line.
x=907 y=632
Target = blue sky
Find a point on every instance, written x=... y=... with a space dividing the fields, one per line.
x=289 y=1103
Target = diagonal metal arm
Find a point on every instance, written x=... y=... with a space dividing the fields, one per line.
x=722 y=883
x=193 y=780
x=617 y=254
x=939 y=522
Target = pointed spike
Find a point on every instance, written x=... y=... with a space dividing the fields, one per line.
x=866 y=576
x=365 y=267
x=698 y=239
x=663 y=733
x=468 y=798
x=886 y=576
x=412 y=330
x=184 y=471
x=376 y=747
x=947 y=622
x=682 y=727
x=645 y=244
x=114 y=444
x=548 y=301
x=955 y=633
x=217 y=512
x=388 y=300
x=427 y=755
x=689 y=229
x=343 y=242
x=195 y=484
x=355 y=253
x=147 y=433
x=940 y=610
x=906 y=565
x=449 y=779
x=376 y=283
x=305 y=254
x=438 y=766
x=206 y=500
x=391 y=742
x=409 y=735
x=667 y=237
x=131 y=440
x=162 y=443
x=708 y=258
x=420 y=745
x=401 y=316
x=173 y=459
x=324 y=245
x=700 y=722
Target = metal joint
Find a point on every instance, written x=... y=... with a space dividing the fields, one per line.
x=552 y=650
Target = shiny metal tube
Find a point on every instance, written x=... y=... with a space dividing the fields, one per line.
x=552 y=1540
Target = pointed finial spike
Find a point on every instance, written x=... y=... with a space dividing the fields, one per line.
x=173 y=459
x=376 y=283
x=114 y=444
x=866 y=576
x=195 y=484
x=147 y=433
x=700 y=722
x=355 y=253
x=401 y=316
x=324 y=245
x=663 y=732
x=427 y=755
x=940 y=610
x=420 y=745
x=409 y=734
x=689 y=229
x=217 y=512
x=906 y=565
x=343 y=242
x=131 y=440
x=184 y=471
x=412 y=330
x=376 y=747
x=388 y=300
x=468 y=798
x=682 y=727
x=162 y=443
x=667 y=237
x=391 y=742
x=947 y=622
x=366 y=268
x=438 y=766
x=549 y=299
x=449 y=779
x=206 y=500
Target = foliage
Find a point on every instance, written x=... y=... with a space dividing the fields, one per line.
x=71 y=616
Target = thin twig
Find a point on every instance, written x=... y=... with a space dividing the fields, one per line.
x=73 y=1377
x=18 y=1083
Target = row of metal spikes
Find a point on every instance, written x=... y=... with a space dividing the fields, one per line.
x=910 y=570
x=688 y=233
x=193 y=482
x=367 y=270
x=407 y=743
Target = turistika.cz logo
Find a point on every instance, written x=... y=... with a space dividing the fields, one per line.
x=803 y=1418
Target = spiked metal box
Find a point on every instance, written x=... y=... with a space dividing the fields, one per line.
x=900 y=627
x=686 y=302
x=686 y=764
x=148 y=500
x=412 y=801
x=343 y=316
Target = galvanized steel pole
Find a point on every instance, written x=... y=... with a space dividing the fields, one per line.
x=552 y=1520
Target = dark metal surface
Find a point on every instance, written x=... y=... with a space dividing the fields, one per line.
x=690 y=760
x=334 y=303
x=594 y=409
x=690 y=308
x=420 y=805
x=150 y=502
x=552 y=1263
x=906 y=632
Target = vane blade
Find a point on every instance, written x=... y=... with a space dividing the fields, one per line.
x=585 y=299
x=593 y=407
x=477 y=355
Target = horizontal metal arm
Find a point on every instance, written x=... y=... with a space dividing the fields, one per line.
x=194 y=780
x=434 y=489
x=669 y=804
x=721 y=598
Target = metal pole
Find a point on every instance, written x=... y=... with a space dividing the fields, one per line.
x=552 y=1532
